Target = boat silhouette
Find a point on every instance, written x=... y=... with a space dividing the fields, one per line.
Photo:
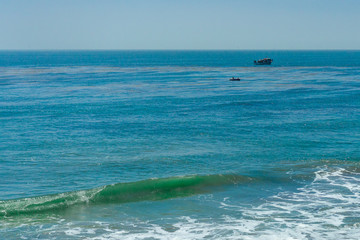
x=264 y=61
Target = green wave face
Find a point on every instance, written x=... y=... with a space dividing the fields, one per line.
x=146 y=190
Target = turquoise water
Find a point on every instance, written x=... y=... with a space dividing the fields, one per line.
x=161 y=145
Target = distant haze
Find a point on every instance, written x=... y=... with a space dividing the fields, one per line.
x=185 y=24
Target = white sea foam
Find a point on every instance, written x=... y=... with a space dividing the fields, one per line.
x=328 y=208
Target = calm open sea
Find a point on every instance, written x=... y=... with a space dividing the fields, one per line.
x=161 y=145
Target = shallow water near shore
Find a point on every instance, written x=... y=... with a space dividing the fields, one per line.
x=161 y=145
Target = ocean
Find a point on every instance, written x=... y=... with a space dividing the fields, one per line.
x=161 y=145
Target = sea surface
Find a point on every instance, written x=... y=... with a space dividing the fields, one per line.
x=161 y=145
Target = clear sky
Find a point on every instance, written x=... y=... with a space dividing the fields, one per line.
x=181 y=24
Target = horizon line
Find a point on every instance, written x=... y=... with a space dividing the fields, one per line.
x=74 y=49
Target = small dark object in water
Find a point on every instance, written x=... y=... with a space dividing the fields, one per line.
x=234 y=79
x=265 y=61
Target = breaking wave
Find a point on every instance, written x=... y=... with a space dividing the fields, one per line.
x=150 y=189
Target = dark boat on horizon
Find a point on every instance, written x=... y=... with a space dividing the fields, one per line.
x=264 y=61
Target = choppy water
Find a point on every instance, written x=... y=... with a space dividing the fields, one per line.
x=161 y=145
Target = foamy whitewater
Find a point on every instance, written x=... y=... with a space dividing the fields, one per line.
x=161 y=145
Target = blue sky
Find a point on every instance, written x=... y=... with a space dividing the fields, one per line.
x=182 y=24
